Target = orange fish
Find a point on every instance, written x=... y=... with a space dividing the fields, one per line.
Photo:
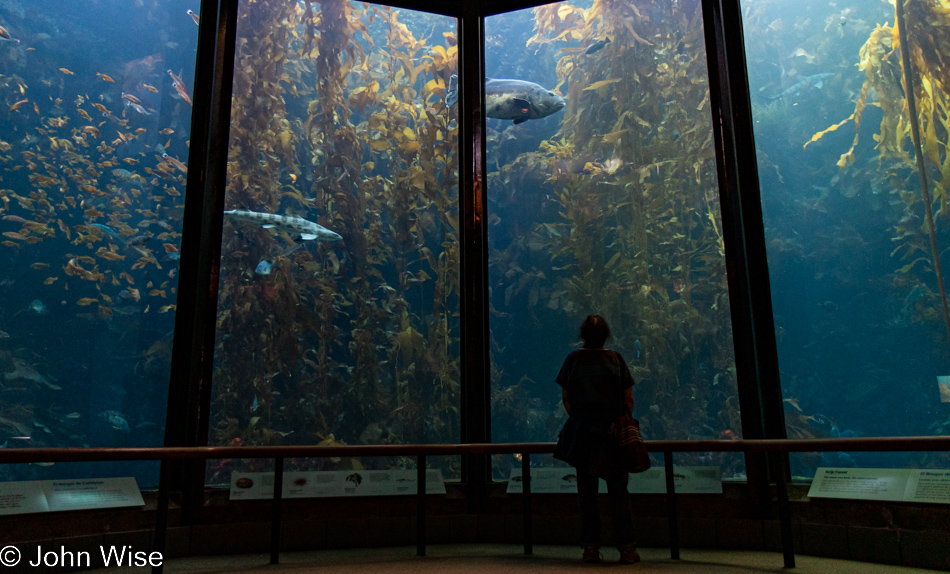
x=67 y=72
x=152 y=89
x=106 y=78
x=17 y=105
x=180 y=87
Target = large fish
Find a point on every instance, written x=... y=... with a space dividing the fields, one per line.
x=516 y=100
x=289 y=223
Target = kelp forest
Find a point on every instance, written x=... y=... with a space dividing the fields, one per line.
x=617 y=213
x=338 y=116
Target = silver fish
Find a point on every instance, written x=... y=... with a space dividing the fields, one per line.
x=290 y=223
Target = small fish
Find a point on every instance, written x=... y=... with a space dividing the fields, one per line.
x=108 y=231
x=117 y=421
x=152 y=89
x=179 y=87
x=638 y=347
x=264 y=267
x=4 y=35
x=67 y=72
x=194 y=17
x=255 y=405
x=138 y=108
x=814 y=81
x=131 y=98
x=18 y=105
x=37 y=306
x=167 y=131
x=180 y=166
x=597 y=46
x=106 y=78
x=43 y=463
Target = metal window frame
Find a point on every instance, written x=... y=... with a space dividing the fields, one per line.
x=189 y=395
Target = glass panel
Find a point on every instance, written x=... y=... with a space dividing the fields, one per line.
x=862 y=336
x=608 y=206
x=92 y=197
x=340 y=327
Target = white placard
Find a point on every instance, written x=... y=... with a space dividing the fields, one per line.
x=336 y=483
x=23 y=497
x=860 y=483
x=687 y=480
x=252 y=485
x=79 y=494
x=312 y=484
x=652 y=481
x=928 y=486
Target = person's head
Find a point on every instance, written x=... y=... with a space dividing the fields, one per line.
x=594 y=331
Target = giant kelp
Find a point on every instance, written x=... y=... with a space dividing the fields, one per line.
x=633 y=232
x=889 y=73
x=355 y=342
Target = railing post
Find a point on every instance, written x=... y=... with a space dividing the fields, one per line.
x=421 y=505
x=277 y=507
x=526 y=502
x=671 y=506
x=784 y=512
x=161 y=516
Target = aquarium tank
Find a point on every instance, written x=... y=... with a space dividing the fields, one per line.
x=94 y=135
x=338 y=317
x=859 y=302
x=338 y=303
x=608 y=205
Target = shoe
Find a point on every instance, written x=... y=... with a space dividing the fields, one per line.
x=591 y=554
x=629 y=555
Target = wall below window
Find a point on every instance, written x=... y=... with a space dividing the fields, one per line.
x=886 y=533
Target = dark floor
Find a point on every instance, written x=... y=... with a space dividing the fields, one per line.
x=498 y=558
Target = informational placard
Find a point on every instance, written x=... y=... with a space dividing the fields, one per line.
x=252 y=485
x=80 y=494
x=68 y=494
x=311 y=484
x=314 y=484
x=23 y=497
x=928 y=486
x=687 y=480
x=860 y=483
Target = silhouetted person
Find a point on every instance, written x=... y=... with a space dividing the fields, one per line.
x=596 y=389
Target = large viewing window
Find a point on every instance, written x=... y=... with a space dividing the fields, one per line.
x=607 y=205
x=93 y=146
x=860 y=326
x=338 y=303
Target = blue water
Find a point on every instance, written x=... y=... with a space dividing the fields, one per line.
x=608 y=206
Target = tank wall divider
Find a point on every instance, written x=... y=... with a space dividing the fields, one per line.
x=193 y=344
x=744 y=236
x=475 y=368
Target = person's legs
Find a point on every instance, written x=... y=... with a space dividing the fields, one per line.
x=621 y=511
x=587 y=500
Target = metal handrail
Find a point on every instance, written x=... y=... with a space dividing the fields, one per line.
x=281 y=453
x=880 y=444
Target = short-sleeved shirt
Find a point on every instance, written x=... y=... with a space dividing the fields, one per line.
x=596 y=380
